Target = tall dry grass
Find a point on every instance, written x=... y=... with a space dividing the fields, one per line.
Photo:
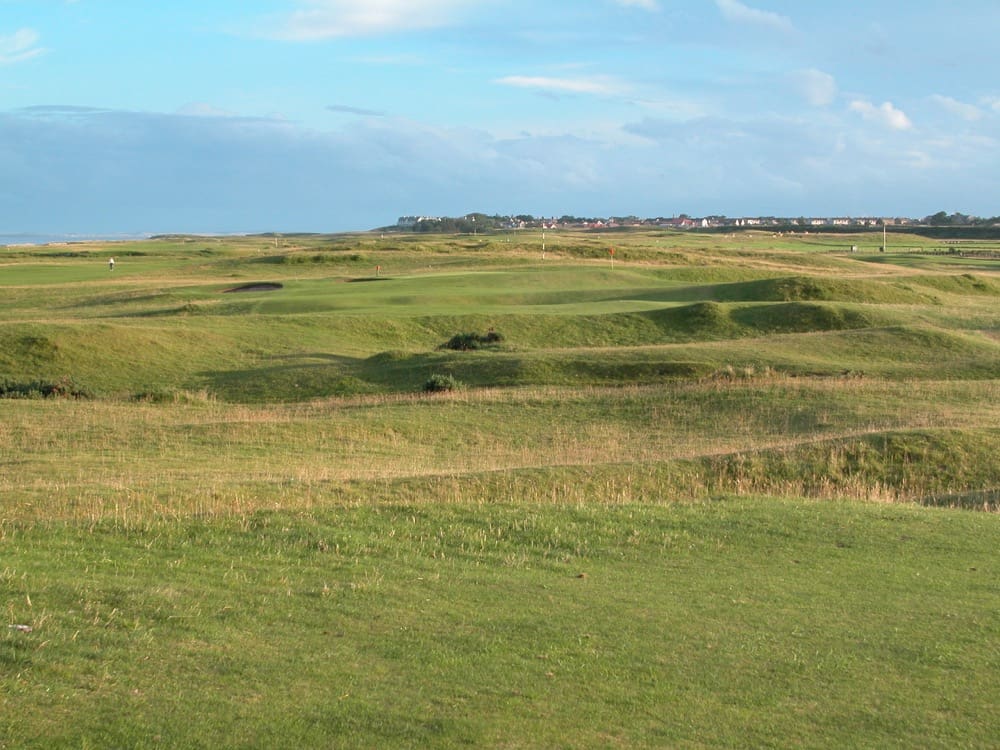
x=79 y=460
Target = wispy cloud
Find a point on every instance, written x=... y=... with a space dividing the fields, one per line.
x=736 y=12
x=344 y=109
x=968 y=112
x=203 y=109
x=19 y=46
x=329 y=19
x=885 y=114
x=591 y=85
x=651 y=5
x=818 y=88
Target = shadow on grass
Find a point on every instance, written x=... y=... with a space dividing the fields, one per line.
x=261 y=286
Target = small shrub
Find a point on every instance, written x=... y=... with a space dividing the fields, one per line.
x=464 y=342
x=438 y=383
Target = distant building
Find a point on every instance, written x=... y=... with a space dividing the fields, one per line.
x=682 y=222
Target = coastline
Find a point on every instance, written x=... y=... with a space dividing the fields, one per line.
x=20 y=239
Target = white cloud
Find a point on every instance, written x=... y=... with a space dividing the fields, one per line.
x=19 y=46
x=592 y=85
x=818 y=88
x=652 y=5
x=968 y=112
x=328 y=19
x=885 y=114
x=736 y=12
x=168 y=173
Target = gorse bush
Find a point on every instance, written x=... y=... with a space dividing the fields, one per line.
x=464 y=342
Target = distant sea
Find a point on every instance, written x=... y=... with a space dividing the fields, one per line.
x=48 y=239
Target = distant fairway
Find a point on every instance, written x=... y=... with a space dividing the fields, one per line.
x=734 y=490
x=679 y=305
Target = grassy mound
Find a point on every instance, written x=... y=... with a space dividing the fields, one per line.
x=700 y=321
x=816 y=289
x=108 y=358
x=508 y=369
x=714 y=321
x=294 y=360
x=804 y=317
x=965 y=283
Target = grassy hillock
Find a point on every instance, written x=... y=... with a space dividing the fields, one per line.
x=811 y=289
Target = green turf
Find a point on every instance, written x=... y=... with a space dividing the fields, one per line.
x=736 y=623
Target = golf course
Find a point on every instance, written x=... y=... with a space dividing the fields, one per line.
x=621 y=488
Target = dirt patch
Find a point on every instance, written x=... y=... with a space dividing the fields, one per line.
x=256 y=287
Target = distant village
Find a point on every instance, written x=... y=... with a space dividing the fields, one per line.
x=485 y=222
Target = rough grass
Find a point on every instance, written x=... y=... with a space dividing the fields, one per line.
x=176 y=454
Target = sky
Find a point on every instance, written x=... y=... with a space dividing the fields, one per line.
x=120 y=116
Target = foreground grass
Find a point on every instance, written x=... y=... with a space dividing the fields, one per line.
x=732 y=623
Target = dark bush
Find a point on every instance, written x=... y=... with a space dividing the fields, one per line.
x=464 y=342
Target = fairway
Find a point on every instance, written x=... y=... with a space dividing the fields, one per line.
x=408 y=490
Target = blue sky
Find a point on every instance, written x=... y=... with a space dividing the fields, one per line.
x=332 y=115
